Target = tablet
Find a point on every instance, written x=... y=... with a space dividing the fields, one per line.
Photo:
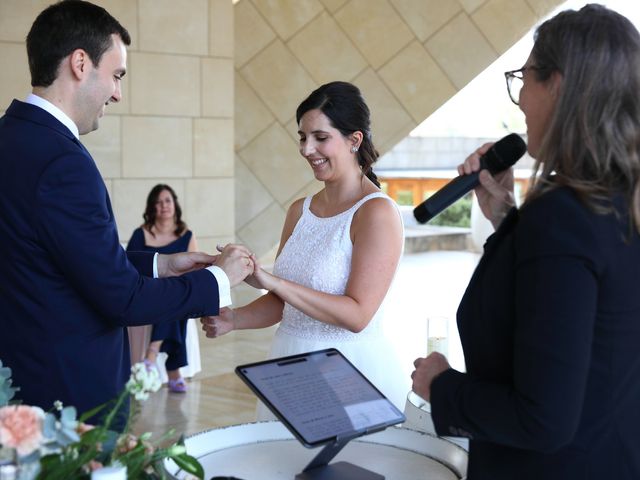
x=320 y=396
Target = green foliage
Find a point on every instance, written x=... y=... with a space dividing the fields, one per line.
x=405 y=197
x=457 y=215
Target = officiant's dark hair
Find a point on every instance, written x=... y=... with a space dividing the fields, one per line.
x=347 y=111
x=150 y=210
x=64 y=27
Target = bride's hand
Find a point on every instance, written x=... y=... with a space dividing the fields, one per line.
x=265 y=280
x=216 y=326
x=251 y=279
x=260 y=279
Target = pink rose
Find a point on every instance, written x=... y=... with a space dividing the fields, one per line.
x=21 y=428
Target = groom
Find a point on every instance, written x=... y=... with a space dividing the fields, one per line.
x=67 y=288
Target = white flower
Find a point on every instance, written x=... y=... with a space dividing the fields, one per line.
x=143 y=380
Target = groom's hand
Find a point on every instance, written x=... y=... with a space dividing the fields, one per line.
x=236 y=261
x=179 y=263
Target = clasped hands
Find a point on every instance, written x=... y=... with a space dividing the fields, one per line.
x=224 y=322
x=237 y=262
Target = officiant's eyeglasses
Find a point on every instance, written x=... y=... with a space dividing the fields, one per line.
x=515 y=81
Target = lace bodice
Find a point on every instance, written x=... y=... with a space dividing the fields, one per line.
x=318 y=256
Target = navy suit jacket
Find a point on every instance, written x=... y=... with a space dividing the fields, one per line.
x=550 y=328
x=67 y=287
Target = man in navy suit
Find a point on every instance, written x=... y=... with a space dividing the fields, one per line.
x=67 y=288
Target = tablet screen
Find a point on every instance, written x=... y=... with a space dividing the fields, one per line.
x=320 y=396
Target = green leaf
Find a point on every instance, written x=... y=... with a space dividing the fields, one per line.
x=109 y=441
x=92 y=412
x=189 y=464
x=93 y=436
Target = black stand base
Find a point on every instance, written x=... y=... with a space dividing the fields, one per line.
x=339 y=471
x=319 y=468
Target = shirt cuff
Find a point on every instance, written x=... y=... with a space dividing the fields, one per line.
x=224 y=289
x=155 y=265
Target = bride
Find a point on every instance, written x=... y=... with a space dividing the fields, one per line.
x=338 y=253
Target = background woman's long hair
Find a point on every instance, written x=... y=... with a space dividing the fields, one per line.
x=593 y=142
x=347 y=111
x=150 y=210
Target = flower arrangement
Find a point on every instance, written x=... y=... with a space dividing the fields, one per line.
x=57 y=445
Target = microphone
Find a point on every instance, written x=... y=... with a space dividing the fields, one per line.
x=503 y=154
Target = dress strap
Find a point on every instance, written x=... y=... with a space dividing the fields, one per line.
x=366 y=198
x=359 y=203
x=306 y=206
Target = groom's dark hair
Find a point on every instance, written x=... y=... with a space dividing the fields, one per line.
x=64 y=27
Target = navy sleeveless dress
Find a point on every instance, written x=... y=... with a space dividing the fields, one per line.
x=172 y=334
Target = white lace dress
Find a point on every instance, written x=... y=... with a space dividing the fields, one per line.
x=318 y=255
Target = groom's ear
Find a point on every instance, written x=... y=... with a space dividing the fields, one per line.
x=77 y=63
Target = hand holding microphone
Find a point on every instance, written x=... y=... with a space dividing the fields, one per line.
x=495 y=190
x=496 y=197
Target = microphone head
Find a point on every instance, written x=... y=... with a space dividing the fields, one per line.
x=504 y=153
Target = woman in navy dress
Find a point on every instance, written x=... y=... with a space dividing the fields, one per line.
x=164 y=232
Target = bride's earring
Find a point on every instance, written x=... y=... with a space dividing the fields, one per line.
x=354 y=149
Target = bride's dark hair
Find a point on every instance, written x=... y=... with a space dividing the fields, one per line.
x=347 y=111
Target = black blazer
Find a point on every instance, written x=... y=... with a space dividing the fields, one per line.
x=67 y=287
x=550 y=327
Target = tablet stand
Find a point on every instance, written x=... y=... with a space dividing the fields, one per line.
x=317 y=394
x=319 y=468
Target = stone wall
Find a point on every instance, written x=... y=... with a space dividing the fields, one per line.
x=175 y=122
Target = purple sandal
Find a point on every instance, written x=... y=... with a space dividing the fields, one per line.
x=177 y=386
x=150 y=365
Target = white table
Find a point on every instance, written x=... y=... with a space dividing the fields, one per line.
x=418 y=413
x=268 y=451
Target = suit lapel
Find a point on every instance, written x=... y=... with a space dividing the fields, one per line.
x=34 y=114
x=31 y=113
